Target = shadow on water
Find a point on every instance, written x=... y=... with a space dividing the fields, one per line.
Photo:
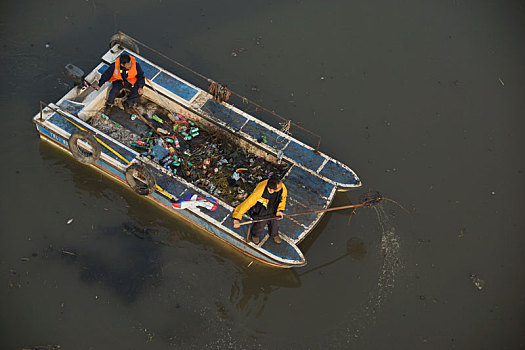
x=251 y=292
x=126 y=266
x=387 y=252
x=155 y=223
x=130 y=266
x=340 y=199
x=355 y=246
x=142 y=218
x=260 y=281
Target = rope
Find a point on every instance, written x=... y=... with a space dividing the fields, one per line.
x=243 y=98
x=220 y=92
x=285 y=127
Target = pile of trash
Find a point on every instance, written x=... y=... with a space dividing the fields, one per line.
x=115 y=131
x=208 y=159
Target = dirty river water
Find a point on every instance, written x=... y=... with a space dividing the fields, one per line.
x=424 y=100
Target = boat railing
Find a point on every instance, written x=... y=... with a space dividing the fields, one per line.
x=286 y=125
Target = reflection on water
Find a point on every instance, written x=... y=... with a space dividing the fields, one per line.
x=250 y=292
x=340 y=199
x=126 y=266
x=157 y=226
x=131 y=267
x=356 y=248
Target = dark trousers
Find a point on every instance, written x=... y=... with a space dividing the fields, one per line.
x=118 y=85
x=258 y=227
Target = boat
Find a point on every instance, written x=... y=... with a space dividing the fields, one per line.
x=111 y=144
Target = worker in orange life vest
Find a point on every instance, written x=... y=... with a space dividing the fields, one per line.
x=125 y=72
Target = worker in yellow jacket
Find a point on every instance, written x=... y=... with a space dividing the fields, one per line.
x=268 y=200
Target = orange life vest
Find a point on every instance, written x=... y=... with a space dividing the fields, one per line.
x=132 y=72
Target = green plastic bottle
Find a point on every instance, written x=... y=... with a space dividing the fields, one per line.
x=157 y=119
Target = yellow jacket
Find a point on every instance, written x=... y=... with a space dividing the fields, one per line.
x=257 y=196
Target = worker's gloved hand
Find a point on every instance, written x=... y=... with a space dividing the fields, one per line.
x=236 y=224
x=280 y=215
x=140 y=91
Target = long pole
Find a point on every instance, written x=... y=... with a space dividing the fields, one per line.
x=308 y=212
x=146 y=121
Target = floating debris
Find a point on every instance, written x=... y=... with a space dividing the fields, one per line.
x=42 y=347
x=69 y=221
x=236 y=52
x=478 y=282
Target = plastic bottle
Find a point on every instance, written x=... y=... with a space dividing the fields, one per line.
x=157 y=119
x=165 y=161
x=162 y=131
x=139 y=145
x=177 y=144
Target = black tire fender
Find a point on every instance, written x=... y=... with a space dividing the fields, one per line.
x=126 y=41
x=80 y=155
x=146 y=177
